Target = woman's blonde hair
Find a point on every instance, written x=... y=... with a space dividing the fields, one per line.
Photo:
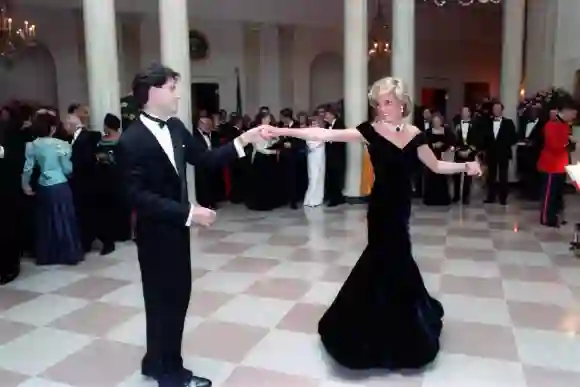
x=394 y=86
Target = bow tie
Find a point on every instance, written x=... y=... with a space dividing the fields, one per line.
x=497 y=119
x=465 y=122
x=162 y=124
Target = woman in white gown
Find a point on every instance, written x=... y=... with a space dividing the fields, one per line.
x=316 y=170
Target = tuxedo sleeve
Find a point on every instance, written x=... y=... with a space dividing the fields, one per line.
x=147 y=203
x=198 y=155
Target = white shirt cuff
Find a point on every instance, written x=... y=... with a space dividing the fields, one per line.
x=1 y=152
x=239 y=148
x=190 y=216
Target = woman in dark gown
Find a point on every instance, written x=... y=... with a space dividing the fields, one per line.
x=383 y=317
x=436 y=186
x=264 y=192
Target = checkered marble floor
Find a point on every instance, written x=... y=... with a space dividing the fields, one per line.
x=510 y=288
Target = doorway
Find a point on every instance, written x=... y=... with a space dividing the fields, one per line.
x=435 y=99
x=205 y=96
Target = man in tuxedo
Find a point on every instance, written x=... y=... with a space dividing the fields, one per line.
x=465 y=151
x=335 y=154
x=153 y=155
x=528 y=151
x=84 y=183
x=293 y=160
x=205 y=177
x=422 y=121
x=499 y=138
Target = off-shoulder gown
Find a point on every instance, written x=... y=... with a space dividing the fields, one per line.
x=383 y=316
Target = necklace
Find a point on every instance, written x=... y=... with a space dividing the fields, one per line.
x=389 y=125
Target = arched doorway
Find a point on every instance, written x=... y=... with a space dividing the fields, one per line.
x=30 y=77
x=326 y=79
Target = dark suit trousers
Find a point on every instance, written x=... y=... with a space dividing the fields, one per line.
x=164 y=260
x=552 y=197
x=497 y=178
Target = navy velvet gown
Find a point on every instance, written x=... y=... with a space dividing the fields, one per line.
x=383 y=316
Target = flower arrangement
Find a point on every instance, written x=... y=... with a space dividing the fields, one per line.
x=544 y=100
x=129 y=111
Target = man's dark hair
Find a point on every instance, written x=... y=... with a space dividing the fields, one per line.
x=332 y=109
x=112 y=122
x=73 y=107
x=286 y=113
x=155 y=75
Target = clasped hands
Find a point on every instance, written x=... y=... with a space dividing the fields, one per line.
x=259 y=134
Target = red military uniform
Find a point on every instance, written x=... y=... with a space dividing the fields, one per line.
x=554 y=155
x=552 y=162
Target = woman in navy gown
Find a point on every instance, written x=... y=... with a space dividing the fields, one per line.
x=383 y=317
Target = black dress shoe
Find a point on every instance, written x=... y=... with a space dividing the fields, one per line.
x=176 y=381
x=108 y=249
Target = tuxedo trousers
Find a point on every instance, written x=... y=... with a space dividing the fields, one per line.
x=164 y=259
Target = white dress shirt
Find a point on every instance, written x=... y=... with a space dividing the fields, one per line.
x=76 y=133
x=496 y=126
x=464 y=130
x=206 y=138
x=530 y=127
x=164 y=139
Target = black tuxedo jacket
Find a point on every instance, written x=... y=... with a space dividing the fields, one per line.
x=336 y=151
x=500 y=147
x=471 y=143
x=84 y=162
x=157 y=189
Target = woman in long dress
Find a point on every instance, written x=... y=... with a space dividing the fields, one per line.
x=264 y=192
x=57 y=236
x=316 y=169
x=436 y=186
x=383 y=316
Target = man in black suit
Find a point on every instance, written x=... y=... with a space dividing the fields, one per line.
x=84 y=185
x=528 y=152
x=499 y=138
x=153 y=155
x=465 y=151
x=205 y=177
x=293 y=160
x=335 y=154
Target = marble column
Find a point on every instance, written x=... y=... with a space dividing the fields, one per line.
x=403 y=45
x=270 y=67
x=102 y=60
x=512 y=55
x=512 y=65
x=540 y=44
x=174 y=39
x=355 y=87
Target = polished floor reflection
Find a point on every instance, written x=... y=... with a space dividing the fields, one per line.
x=510 y=288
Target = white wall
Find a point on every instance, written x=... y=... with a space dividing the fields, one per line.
x=445 y=57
